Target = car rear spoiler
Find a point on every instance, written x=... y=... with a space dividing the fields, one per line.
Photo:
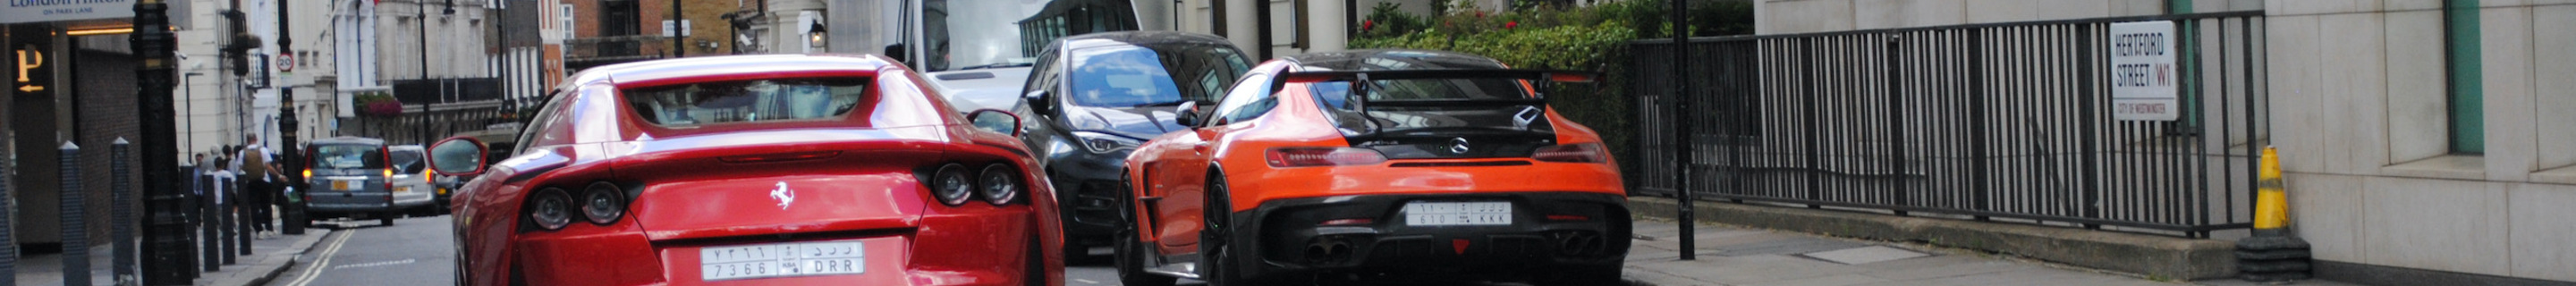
x=1540 y=79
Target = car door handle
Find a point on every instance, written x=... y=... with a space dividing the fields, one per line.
x=1202 y=147
x=1149 y=199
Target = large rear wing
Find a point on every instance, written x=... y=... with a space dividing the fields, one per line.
x=1540 y=79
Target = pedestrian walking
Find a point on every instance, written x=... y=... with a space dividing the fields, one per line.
x=259 y=184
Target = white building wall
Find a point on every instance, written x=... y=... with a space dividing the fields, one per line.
x=456 y=42
x=2359 y=95
x=2375 y=184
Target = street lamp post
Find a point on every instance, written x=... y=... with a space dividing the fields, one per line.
x=167 y=232
x=288 y=126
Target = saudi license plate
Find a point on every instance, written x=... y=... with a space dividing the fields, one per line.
x=1457 y=213
x=781 y=260
x=342 y=185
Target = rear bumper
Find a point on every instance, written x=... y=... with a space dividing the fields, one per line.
x=1291 y=240
x=980 y=247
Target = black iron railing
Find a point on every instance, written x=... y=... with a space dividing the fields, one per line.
x=2003 y=122
x=425 y=125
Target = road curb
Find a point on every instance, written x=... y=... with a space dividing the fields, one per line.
x=299 y=248
x=2154 y=256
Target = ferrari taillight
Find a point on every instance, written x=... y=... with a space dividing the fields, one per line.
x=1573 y=153
x=1322 y=156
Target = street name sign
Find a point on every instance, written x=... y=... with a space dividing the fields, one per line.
x=2142 y=72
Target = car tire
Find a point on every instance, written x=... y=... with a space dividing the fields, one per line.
x=1216 y=249
x=1129 y=252
x=387 y=218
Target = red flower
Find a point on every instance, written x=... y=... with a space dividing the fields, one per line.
x=1480 y=14
x=1509 y=25
x=1364 y=25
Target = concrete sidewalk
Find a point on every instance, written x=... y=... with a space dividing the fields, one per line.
x=1730 y=255
x=268 y=257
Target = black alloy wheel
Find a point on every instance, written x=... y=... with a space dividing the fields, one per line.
x=1217 y=254
x=1130 y=251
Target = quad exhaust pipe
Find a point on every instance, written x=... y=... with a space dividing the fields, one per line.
x=1328 y=250
x=1578 y=243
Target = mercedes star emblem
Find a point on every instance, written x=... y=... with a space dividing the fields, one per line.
x=1458 y=145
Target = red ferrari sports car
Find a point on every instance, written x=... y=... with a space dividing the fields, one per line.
x=754 y=170
x=1377 y=164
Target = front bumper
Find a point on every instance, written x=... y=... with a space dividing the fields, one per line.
x=1549 y=230
x=1089 y=191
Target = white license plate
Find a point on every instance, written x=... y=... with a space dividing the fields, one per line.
x=781 y=260
x=1468 y=213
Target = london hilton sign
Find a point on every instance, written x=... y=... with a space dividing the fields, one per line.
x=31 y=11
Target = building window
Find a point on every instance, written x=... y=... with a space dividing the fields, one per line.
x=2463 y=71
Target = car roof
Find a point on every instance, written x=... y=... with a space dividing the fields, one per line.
x=349 y=140
x=414 y=147
x=1391 y=59
x=1148 y=39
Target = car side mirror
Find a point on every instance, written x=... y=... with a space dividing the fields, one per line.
x=995 y=120
x=1187 y=114
x=457 y=156
x=1037 y=101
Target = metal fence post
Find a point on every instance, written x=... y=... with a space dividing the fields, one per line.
x=121 y=211
x=75 y=221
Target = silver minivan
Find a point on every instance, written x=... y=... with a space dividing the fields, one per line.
x=354 y=177
x=415 y=189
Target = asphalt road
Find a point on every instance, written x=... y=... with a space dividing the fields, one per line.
x=1096 y=271
x=414 y=251
x=418 y=251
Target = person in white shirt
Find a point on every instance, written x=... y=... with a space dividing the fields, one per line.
x=259 y=183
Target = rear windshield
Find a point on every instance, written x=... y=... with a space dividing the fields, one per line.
x=407 y=161
x=1336 y=100
x=746 y=101
x=348 y=157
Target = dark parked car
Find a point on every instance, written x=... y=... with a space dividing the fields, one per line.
x=1091 y=98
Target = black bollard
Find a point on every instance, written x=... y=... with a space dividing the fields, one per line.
x=75 y=220
x=120 y=227
x=241 y=222
x=207 y=224
x=225 y=216
x=8 y=238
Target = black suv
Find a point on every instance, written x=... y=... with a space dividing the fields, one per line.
x=1091 y=98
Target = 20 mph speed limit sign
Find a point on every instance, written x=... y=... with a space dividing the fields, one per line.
x=2143 y=74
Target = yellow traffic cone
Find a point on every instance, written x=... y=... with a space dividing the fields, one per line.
x=2271 y=254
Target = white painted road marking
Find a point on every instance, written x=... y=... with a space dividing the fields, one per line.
x=374 y=264
x=325 y=258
